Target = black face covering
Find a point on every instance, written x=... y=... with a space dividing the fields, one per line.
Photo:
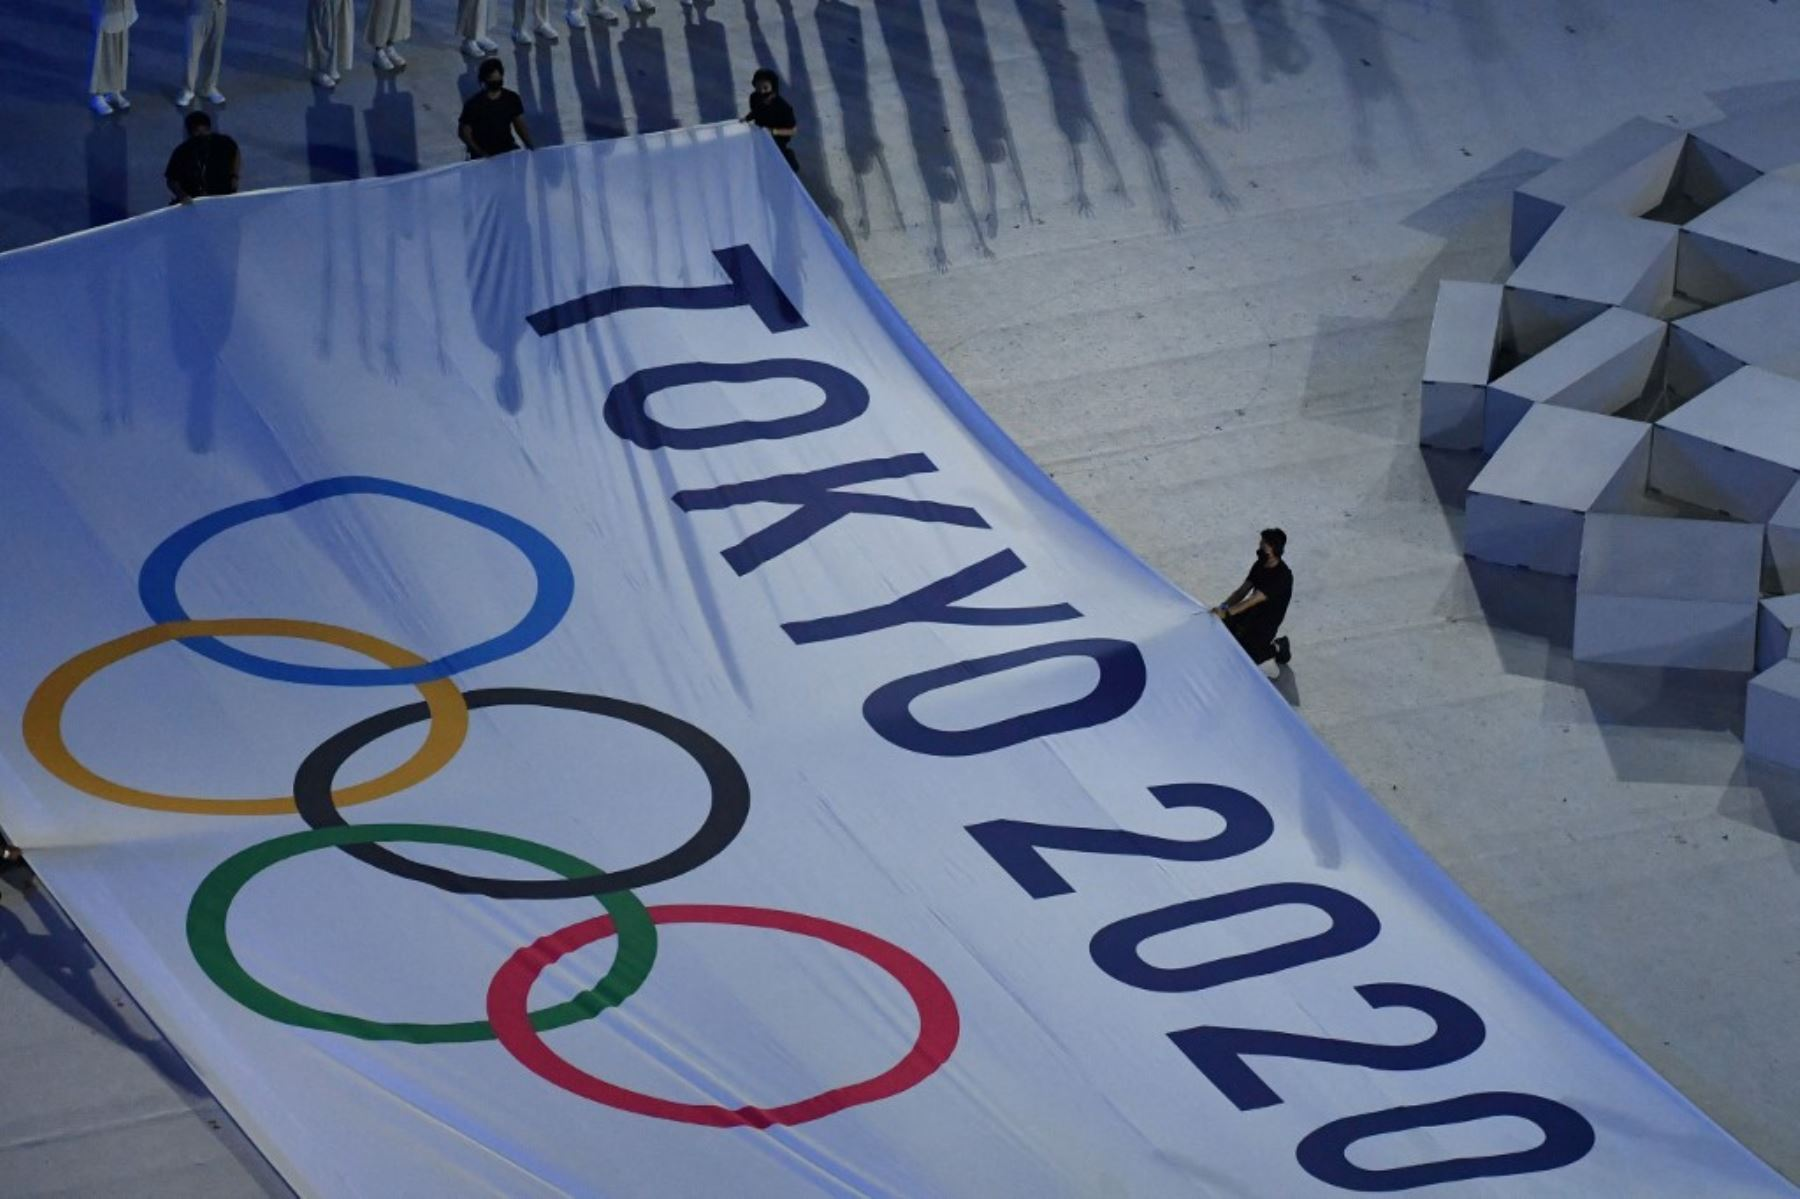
x=494 y=85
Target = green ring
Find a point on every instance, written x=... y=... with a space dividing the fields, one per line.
x=212 y=948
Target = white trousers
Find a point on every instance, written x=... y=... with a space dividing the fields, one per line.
x=527 y=14
x=205 y=46
x=330 y=35
x=112 y=62
x=389 y=21
x=472 y=19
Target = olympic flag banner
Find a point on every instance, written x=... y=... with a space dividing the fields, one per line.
x=541 y=685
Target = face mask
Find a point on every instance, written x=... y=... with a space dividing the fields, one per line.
x=494 y=85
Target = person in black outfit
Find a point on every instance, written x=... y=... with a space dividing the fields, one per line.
x=492 y=115
x=769 y=111
x=1253 y=613
x=206 y=164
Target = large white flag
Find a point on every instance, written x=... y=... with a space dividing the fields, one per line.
x=541 y=685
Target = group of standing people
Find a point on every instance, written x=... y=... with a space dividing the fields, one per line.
x=113 y=20
x=330 y=39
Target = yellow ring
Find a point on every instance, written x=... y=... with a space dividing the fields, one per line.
x=43 y=715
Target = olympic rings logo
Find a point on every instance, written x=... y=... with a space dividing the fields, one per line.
x=318 y=799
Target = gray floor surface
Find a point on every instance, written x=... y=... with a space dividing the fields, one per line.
x=1185 y=251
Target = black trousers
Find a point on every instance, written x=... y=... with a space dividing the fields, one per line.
x=1256 y=636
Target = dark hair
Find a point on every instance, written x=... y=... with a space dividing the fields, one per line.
x=194 y=120
x=489 y=64
x=765 y=73
x=1277 y=540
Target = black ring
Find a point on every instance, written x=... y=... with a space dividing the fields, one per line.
x=724 y=820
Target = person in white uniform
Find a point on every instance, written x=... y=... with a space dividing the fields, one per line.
x=472 y=20
x=531 y=20
x=113 y=20
x=330 y=39
x=390 y=21
x=580 y=10
x=205 y=48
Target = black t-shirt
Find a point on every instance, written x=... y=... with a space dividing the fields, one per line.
x=1276 y=585
x=204 y=165
x=490 y=121
x=772 y=112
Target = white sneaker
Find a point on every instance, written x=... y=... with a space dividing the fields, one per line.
x=488 y=45
x=472 y=48
x=215 y=96
x=1271 y=668
x=521 y=38
x=576 y=18
x=325 y=80
x=382 y=61
x=547 y=31
x=98 y=103
x=606 y=12
x=394 y=57
x=183 y=98
x=118 y=101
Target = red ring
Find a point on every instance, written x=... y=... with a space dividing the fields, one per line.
x=939 y=1024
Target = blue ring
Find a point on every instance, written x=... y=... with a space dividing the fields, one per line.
x=555 y=584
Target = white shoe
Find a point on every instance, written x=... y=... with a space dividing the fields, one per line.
x=576 y=18
x=215 y=96
x=325 y=80
x=184 y=97
x=472 y=49
x=607 y=13
x=394 y=57
x=1271 y=668
x=488 y=45
x=118 y=101
x=382 y=61
x=98 y=103
x=547 y=31
x=521 y=38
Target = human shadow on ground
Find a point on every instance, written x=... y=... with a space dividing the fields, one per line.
x=847 y=62
x=58 y=966
x=1225 y=85
x=1356 y=33
x=1153 y=120
x=1069 y=100
x=973 y=59
x=596 y=83
x=902 y=24
x=644 y=62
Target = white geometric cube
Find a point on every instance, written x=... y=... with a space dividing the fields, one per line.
x=1603 y=257
x=1772 y=715
x=1734 y=448
x=1528 y=505
x=1745 y=244
x=1760 y=330
x=1756 y=140
x=1782 y=560
x=1656 y=591
x=1628 y=170
x=1459 y=360
x=1601 y=367
x=1776 y=620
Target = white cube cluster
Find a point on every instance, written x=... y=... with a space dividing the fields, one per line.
x=1635 y=383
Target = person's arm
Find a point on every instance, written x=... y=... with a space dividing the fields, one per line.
x=524 y=133
x=467 y=133
x=791 y=124
x=1239 y=604
x=1243 y=590
x=173 y=179
x=237 y=166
